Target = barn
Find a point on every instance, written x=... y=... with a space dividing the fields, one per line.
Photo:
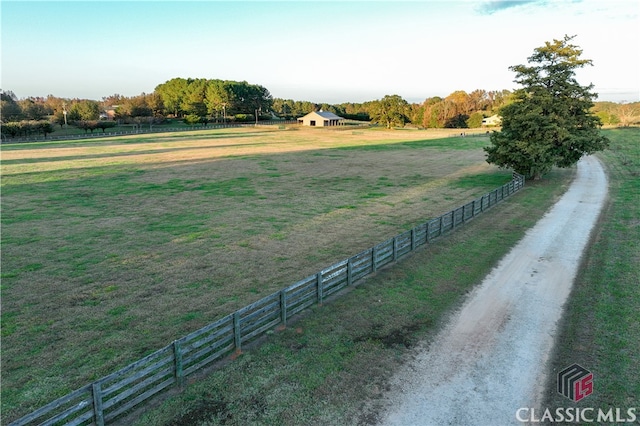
x=494 y=120
x=320 y=119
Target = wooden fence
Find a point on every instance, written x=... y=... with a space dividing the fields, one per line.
x=108 y=398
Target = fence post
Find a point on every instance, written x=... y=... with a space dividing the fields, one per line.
x=453 y=219
x=98 y=415
x=473 y=208
x=426 y=237
x=374 y=253
x=349 y=271
x=283 y=307
x=463 y=213
x=413 y=239
x=395 y=248
x=236 y=331
x=320 y=288
x=177 y=357
x=441 y=220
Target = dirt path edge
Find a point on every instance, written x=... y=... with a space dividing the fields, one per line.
x=490 y=358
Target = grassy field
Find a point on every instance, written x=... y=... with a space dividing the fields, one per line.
x=332 y=366
x=113 y=248
x=601 y=328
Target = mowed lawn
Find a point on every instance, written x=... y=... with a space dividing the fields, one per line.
x=113 y=248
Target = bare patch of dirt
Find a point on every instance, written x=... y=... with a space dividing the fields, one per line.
x=218 y=410
x=404 y=336
x=207 y=409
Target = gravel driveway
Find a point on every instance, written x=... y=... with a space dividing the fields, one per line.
x=490 y=358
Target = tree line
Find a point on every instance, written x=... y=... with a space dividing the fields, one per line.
x=202 y=101
x=40 y=116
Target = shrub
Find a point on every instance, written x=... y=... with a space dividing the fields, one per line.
x=243 y=118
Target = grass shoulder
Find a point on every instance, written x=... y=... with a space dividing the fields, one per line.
x=600 y=328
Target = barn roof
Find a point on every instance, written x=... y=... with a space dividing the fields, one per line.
x=330 y=115
x=326 y=114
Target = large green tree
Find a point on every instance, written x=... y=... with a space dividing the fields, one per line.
x=33 y=110
x=193 y=102
x=549 y=123
x=390 y=111
x=133 y=107
x=172 y=93
x=249 y=98
x=9 y=108
x=218 y=98
x=84 y=110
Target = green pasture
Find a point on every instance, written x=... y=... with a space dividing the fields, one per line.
x=333 y=365
x=113 y=248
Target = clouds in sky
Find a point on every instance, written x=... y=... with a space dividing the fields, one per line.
x=491 y=7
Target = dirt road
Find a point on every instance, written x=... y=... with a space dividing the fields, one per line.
x=490 y=358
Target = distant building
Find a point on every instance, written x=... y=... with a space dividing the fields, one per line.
x=320 y=119
x=109 y=113
x=494 y=120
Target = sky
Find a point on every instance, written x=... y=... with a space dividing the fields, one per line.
x=318 y=51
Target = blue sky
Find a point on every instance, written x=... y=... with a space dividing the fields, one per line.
x=321 y=51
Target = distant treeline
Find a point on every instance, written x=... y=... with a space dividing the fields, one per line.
x=210 y=100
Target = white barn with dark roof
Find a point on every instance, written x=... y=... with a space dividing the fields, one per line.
x=320 y=119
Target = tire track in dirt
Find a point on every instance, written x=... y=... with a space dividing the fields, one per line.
x=490 y=357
